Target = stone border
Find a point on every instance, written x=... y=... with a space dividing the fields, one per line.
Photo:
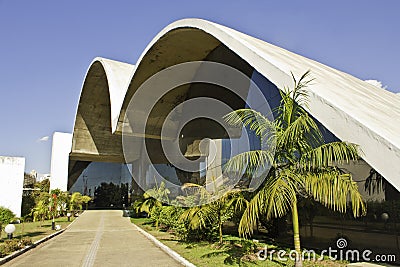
x=37 y=243
x=165 y=248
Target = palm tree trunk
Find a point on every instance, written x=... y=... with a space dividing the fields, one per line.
x=296 y=235
x=220 y=233
x=220 y=228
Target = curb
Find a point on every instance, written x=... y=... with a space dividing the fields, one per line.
x=27 y=248
x=165 y=248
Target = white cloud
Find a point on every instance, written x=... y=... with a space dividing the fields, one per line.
x=44 y=139
x=376 y=83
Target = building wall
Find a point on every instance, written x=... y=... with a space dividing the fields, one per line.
x=61 y=148
x=360 y=171
x=12 y=180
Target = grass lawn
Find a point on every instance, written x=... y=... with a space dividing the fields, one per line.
x=36 y=230
x=232 y=253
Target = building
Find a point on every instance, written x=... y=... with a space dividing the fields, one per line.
x=346 y=108
x=12 y=180
x=60 y=150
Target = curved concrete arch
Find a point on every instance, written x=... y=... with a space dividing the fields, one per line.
x=100 y=102
x=99 y=106
x=352 y=109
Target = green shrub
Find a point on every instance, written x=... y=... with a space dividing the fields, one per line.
x=11 y=245
x=169 y=216
x=6 y=215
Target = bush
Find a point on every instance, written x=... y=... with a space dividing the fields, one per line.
x=6 y=215
x=167 y=218
x=11 y=245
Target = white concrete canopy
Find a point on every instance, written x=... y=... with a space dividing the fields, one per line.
x=352 y=109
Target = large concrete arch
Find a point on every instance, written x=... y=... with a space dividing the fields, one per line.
x=352 y=109
x=98 y=109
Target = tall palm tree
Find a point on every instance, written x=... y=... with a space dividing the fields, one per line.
x=302 y=163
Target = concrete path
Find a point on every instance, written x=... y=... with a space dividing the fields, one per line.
x=97 y=238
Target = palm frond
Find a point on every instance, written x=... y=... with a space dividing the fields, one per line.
x=199 y=216
x=293 y=100
x=249 y=162
x=334 y=189
x=329 y=154
x=274 y=200
x=303 y=134
x=257 y=122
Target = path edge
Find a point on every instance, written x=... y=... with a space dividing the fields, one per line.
x=37 y=243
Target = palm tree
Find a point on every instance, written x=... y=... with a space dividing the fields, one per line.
x=75 y=202
x=303 y=164
x=86 y=199
x=40 y=212
x=154 y=197
x=215 y=213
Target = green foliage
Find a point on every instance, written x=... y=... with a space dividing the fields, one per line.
x=44 y=185
x=236 y=251
x=86 y=199
x=76 y=201
x=41 y=211
x=151 y=199
x=169 y=217
x=302 y=163
x=213 y=214
x=53 y=202
x=6 y=215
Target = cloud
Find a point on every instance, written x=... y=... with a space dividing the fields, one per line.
x=44 y=139
x=376 y=83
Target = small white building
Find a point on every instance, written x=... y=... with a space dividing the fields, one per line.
x=11 y=183
x=61 y=148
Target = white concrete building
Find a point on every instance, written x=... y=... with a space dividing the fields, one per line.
x=11 y=183
x=61 y=148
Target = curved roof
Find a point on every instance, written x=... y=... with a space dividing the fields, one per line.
x=102 y=95
x=352 y=109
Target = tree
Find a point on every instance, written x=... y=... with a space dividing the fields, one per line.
x=303 y=164
x=86 y=199
x=63 y=200
x=53 y=205
x=44 y=185
x=214 y=213
x=153 y=198
x=6 y=216
x=41 y=211
x=75 y=202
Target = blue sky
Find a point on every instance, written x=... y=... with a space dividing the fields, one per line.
x=47 y=46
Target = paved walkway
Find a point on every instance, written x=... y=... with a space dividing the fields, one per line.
x=97 y=238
